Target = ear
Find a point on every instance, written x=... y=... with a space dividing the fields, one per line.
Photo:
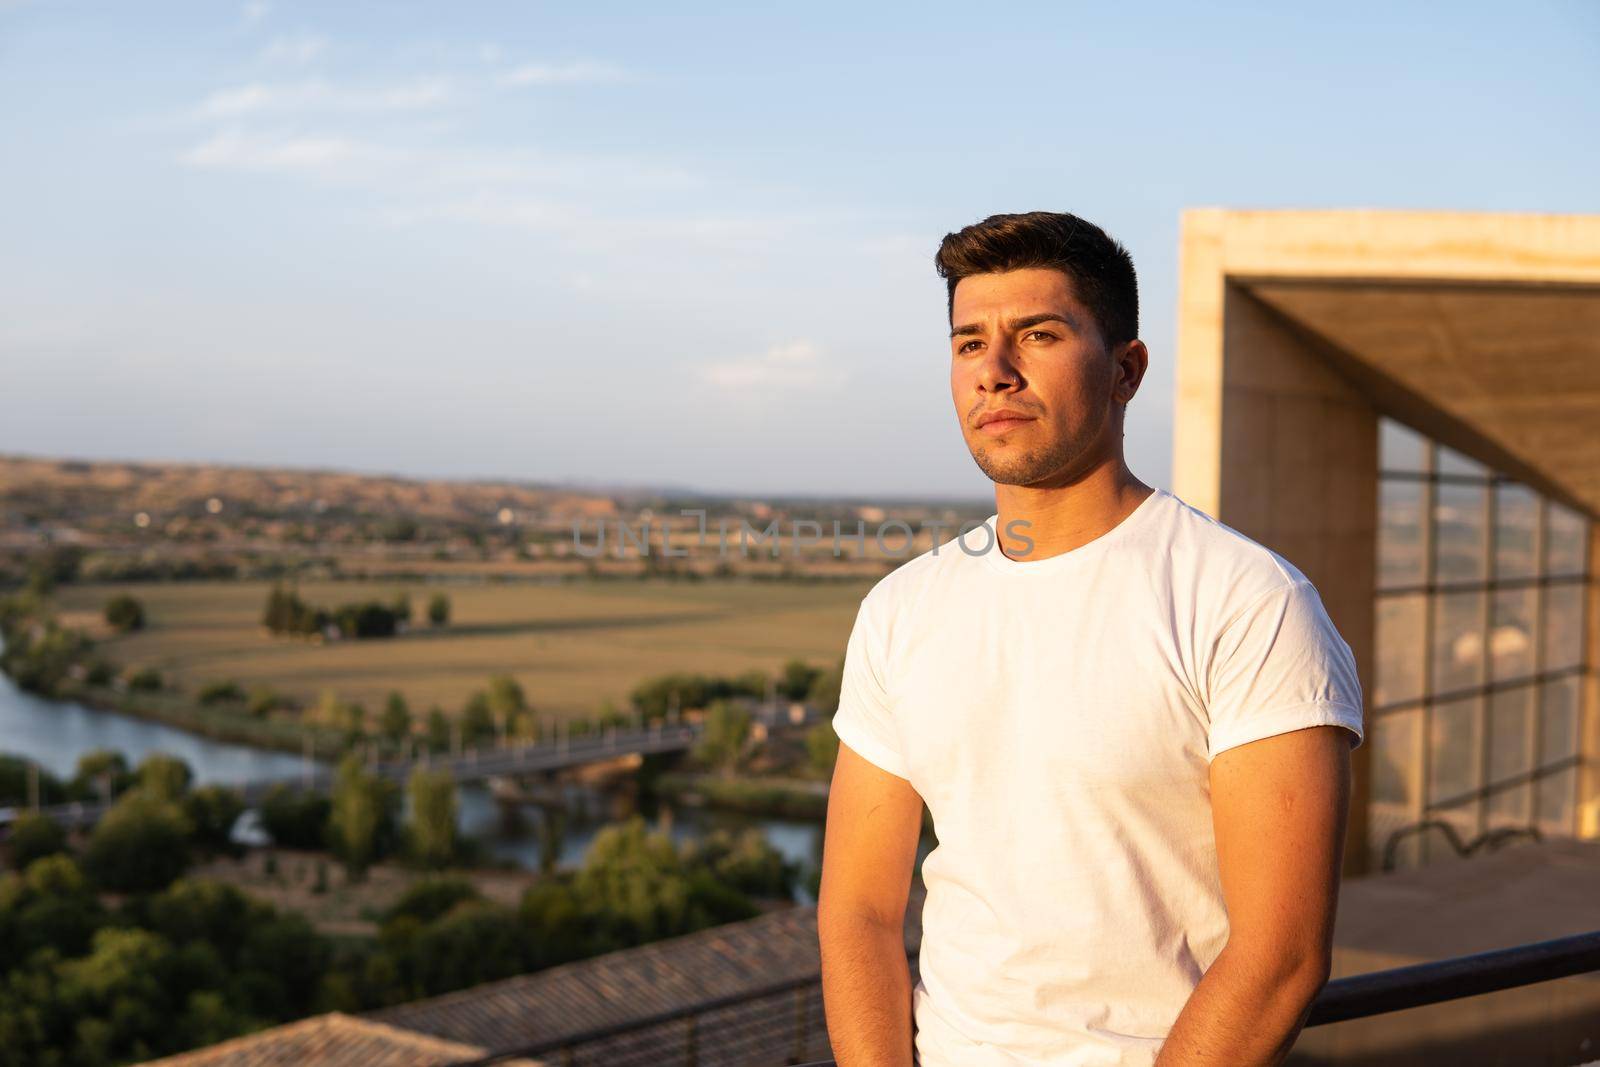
x=1132 y=360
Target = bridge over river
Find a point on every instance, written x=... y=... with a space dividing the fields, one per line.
x=470 y=765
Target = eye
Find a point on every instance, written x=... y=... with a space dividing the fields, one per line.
x=1041 y=333
x=965 y=345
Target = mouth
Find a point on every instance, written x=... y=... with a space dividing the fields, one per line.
x=1000 y=423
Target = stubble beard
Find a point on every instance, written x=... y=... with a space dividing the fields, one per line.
x=1044 y=463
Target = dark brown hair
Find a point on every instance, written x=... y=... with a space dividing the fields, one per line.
x=1100 y=269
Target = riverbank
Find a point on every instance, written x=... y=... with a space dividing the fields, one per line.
x=791 y=798
x=213 y=722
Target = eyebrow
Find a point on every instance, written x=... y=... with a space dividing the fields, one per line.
x=972 y=329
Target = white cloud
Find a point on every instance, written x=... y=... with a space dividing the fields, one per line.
x=318 y=155
x=796 y=365
x=317 y=95
x=297 y=49
x=255 y=11
x=582 y=72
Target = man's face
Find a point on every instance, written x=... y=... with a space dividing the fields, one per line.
x=1022 y=345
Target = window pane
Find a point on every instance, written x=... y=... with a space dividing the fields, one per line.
x=1453 y=462
x=1510 y=744
x=1558 y=719
x=1516 y=516
x=1457 y=640
x=1564 y=548
x=1400 y=448
x=1399 y=533
x=1511 y=807
x=1563 y=625
x=1400 y=649
x=1396 y=762
x=1459 y=546
x=1555 y=802
x=1511 y=633
x=1453 y=748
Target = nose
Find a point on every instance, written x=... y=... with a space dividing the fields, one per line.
x=998 y=372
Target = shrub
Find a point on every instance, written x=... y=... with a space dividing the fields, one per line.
x=220 y=692
x=125 y=614
x=294 y=818
x=141 y=844
x=35 y=836
x=145 y=680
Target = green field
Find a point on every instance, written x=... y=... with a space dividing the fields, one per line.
x=572 y=646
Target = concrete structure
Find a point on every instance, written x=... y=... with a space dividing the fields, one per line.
x=1302 y=334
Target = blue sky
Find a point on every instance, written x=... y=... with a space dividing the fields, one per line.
x=626 y=245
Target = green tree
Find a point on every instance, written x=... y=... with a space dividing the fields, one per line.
x=35 y=836
x=429 y=898
x=797 y=679
x=145 y=680
x=296 y=818
x=636 y=887
x=164 y=776
x=346 y=716
x=824 y=694
x=507 y=702
x=727 y=729
x=433 y=816
x=124 y=613
x=746 y=861
x=212 y=810
x=395 y=722
x=140 y=845
x=474 y=942
x=362 y=818
x=100 y=770
x=223 y=691
x=438 y=609
x=438 y=731
x=15 y=775
x=822 y=748
x=49 y=905
x=477 y=721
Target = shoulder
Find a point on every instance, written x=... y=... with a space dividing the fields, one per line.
x=1234 y=569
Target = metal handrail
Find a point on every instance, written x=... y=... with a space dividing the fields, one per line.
x=1380 y=992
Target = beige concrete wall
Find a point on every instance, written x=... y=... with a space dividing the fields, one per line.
x=1275 y=442
x=1589 y=732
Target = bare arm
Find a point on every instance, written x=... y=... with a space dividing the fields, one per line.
x=1279 y=806
x=868 y=852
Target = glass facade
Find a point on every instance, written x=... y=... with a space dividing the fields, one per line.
x=1474 y=713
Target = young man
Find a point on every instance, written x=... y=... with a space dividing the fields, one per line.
x=1131 y=724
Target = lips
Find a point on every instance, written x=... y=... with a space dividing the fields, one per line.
x=1001 y=422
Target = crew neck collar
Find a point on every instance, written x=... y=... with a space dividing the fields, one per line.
x=1084 y=554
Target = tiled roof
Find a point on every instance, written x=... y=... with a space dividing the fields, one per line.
x=332 y=1040
x=629 y=985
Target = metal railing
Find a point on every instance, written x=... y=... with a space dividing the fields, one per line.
x=783 y=1023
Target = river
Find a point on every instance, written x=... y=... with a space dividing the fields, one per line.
x=55 y=733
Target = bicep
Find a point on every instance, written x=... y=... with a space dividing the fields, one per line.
x=1279 y=808
x=870 y=839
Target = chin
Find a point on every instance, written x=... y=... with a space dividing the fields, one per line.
x=1010 y=465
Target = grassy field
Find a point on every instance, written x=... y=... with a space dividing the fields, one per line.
x=571 y=645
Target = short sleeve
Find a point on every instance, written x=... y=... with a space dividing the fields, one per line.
x=1280 y=665
x=865 y=719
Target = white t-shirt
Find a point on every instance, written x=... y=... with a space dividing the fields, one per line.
x=1059 y=717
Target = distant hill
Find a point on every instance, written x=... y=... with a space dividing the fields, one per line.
x=40 y=490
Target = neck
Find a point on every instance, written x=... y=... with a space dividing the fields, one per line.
x=1067 y=516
